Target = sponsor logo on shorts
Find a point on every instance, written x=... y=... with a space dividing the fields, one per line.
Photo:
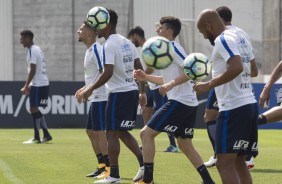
x=189 y=131
x=170 y=128
x=44 y=101
x=127 y=124
x=255 y=146
x=241 y=144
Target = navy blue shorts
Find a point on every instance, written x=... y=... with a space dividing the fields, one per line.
x=96 y=116
x=121 y=110
x=154 y=99
x=237 y=132
x=212 y=101
x=174 y=117
x=38 y=96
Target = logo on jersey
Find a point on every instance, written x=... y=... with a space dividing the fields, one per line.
x=189 y=131
x=241 y=144
x=170 y=128
x=127 y=124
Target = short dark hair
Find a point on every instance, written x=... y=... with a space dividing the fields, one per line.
x=113 y=17
x=27 y=33
x=172 y=23
x=137 y=30
x=225 y=13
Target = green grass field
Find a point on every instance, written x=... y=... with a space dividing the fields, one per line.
x=69 y=158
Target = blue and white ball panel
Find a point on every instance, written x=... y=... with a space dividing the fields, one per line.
x=96 y=116
x=236 y=131
x=38 y=96
x=174 y=117
x=121 y=110
x=212 y=101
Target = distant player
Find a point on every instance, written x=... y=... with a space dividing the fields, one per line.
x=154 y=99
x=236 y=124
x=212 y=106
x=120 y=58
x=36 y=86
x=95 y=128
x=178 y=114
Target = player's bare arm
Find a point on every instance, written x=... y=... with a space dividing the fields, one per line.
x=254 y=68
x=177 y=81
x=142 y=94
x=140 y=75
x=234 y=68
x=25 y=89
x=275 y=75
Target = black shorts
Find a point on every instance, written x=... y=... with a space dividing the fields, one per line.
x=212 y=101
x=237 y=132
x=154 y=99
x=96 y=116
x=121 y=110
x=38 y=96
x=174 y=117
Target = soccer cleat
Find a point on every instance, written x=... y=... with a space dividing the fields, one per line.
x=46 y=139
x=250 y=163
x=109 y=179
x=139 y=175
x=142 y=182
x=172 y=149
x=100 y=169
x=211 y=162
x=104 y=174
x=32 y=141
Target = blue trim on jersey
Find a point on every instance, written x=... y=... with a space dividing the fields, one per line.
x=113 y=111
x=104 y=58
x=224 y=132
x=101 y=115
x=178 y=52
x=29 y=50
x=97 y=57
x=167 y=114
x=223 y=41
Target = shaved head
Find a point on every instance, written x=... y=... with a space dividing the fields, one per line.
x=210 y=25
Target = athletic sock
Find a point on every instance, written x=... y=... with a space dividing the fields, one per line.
x=262 y=119
x=44 y=125
x=107 y=160
x=100 y=158
x=140 y=160
x=36 y=125
x=114 y=172
x=148 y=173
x=205 y=174
x=171 y=139
x=211 y=129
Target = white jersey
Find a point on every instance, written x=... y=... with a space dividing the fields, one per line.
x=93 y=68
x=120 y=52
x=237 y=92
x=36 y=56
x=184 y=92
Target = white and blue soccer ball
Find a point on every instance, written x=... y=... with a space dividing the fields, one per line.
x=98 y=17
x=196 y=66
x=158 y=52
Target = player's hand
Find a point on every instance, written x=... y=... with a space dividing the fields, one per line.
x=264 y=97
x=25 y=90
x=201 y=87
x=77 y=92
x=139 y=75
x=165 y=88
x=142 y=100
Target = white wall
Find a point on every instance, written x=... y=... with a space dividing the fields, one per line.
x=6 y=37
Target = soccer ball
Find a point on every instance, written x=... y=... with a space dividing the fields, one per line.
x=98 y=17
x=158 y=52
x=196 y=66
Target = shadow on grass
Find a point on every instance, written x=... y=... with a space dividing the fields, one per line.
x=267 y=170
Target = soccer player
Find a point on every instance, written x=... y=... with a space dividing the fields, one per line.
x=274 y=114
x=95 y=128
x=178 y=114
x=36 y=86
x=236 y=124
x=211 y=106
x=120 y=58
x=154 y=99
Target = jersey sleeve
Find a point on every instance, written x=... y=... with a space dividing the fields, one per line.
x=97 y=56
x=109 y=53
x=179 y=54
x=227 y=47
x=33 y=54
